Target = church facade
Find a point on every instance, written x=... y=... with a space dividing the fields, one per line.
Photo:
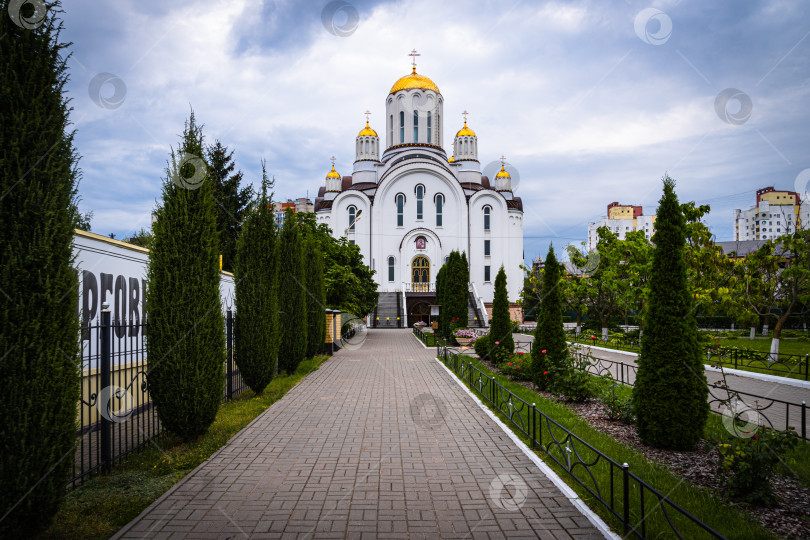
x=407 y=205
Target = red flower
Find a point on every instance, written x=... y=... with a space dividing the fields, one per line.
x=755 y=437
x=518 y=367
x=510 y=363
x=545 y=373
x=497 y=343
x=593 y=337
x=543 y=351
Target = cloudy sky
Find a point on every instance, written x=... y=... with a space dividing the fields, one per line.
x=590 y=101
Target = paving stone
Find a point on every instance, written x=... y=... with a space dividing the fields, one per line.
x=380 y=442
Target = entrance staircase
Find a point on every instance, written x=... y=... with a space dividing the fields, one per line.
x=474 y=319
x=388 y=313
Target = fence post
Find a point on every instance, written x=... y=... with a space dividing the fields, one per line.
x=806 y=366
x=104 y=384
x=229 y=340
x=534 y=423
x=804 y=420
x=626 y=496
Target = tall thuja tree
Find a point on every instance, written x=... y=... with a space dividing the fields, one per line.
x=38 y=324
x=549 y=350
x=315 y=291
x=500 y=327
x=441 y=278
x=670 y=390
x=231 y=199
x=186 y=330
x=292 y=295
x=256 y=329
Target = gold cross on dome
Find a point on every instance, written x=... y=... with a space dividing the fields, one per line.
x=333 y=161
x=464 y=114
x=367 y=113
x=503 y=161
x=414 y=54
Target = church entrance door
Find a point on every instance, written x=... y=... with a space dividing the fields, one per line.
x=419 y=312
x=420 y=274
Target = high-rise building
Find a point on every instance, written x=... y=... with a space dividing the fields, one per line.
x=775 y=213
x=301 y=204
x=621 y=219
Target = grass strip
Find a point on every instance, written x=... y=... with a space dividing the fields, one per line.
x=102 y=505
x=700 y=502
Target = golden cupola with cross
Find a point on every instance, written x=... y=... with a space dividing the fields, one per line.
x=465 y=145
x=367 y=147
x=414 y=112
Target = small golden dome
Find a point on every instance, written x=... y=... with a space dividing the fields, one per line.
x=465 y=131
x=502 y=173
x=452 y=159
x=333 y=173
x=367 y=131
x=414 y=81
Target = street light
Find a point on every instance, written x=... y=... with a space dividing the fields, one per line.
x=356 y=219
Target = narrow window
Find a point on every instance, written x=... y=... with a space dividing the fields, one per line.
x=401 y=127
x=486 y=273
x=352 y=216
x=420 y=193
x=486 y=248
x=400 y=209
x=486 y=218
x=390 y=269
x=439 y=208
x=429 y=127
x=391 y=128
x=415 y=126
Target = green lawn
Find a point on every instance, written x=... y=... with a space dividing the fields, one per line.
x=104 y=504
x=709 y=508
x=763 y=344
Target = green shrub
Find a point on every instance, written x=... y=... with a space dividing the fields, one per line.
x=518 y=367
x=292 y=295
x=482 y=346
x=570 y=380
x=316 y=295
x=617 y=407
x=550 y=349
x=186 y=342
x=748 y=463
x=256 y=330
x=670 y=391
x=39 y=351
x=501 y=324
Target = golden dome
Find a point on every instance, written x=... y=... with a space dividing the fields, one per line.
x=333 y=173
x=452 y=159
x=367 y=131
x=465 y=131
x=414 y=81
x=502 y=173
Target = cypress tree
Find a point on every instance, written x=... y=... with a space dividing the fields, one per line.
x=186 y=335
x=549 y=336
x=39 y=328
x=256 y=330
x=316 y=293
x=292 y=295
x=670 y=391
x=440 y=297
x=500 y=327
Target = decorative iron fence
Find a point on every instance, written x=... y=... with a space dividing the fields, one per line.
x=795 y=364
x=631 y=500
x=116 y=416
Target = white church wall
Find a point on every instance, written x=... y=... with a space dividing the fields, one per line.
x=498 y=237
x=361 y=235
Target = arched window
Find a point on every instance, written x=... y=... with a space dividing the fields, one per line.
x=429 y=140
x=390 y=269
x=439 y=209
x=487 y=212
x=415 y=126
x=391 y=128
x=420 y=194
x=401 y=127
x=400 y=209
x=366 y=146
x=352 y=217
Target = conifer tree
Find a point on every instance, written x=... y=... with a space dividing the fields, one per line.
x=292 y=295
x=316 y=293
x=670 y=391
x=39 y=328
x=256 y=324
x=186 y=335
x=549 y=348
x=231 y=200
x=500 y=327
x=440 y=297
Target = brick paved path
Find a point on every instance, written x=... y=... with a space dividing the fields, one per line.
x=380 y=442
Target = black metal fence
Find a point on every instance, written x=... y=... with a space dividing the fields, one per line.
x=778 y=363
x=631 y=500
x=116 y=416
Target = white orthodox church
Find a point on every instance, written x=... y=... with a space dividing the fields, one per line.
x=408 y=206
